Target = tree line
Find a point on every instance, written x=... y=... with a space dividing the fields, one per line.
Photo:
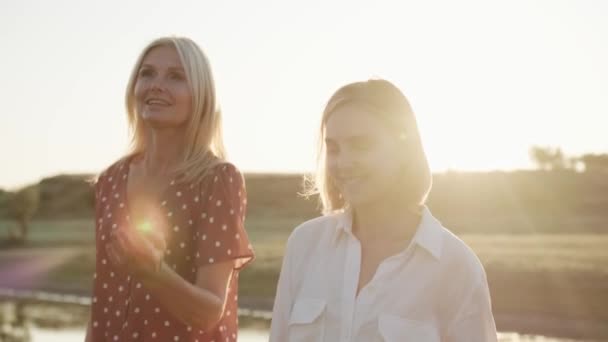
x=21 y=205
x=552 y=158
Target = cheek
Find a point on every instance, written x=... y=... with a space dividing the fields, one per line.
x=331 y=163
x=140 y=87
x=183 y=92
x=384 y=166
x=138 y=99
x=184 y=98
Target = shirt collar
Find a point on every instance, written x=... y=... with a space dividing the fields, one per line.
x=428 y=234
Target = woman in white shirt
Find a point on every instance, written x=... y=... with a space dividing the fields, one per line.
x=377 y=266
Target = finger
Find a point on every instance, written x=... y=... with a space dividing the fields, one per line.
x=121 y=250
x=157 y=239
x=131 y=251
x=121 y=245
x=138 y=246
x=133 y=237
x=115 y=259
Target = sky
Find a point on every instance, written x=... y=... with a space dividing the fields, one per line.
x=487 y=79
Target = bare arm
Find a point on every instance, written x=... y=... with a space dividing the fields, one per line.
x=199 y=305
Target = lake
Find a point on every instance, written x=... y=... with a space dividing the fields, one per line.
x=66 y=323
x=245 y=335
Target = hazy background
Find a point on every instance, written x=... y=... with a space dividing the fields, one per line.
x=511 y=99
x=487 y=79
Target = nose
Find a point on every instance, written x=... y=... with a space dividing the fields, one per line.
x=157 y=84
x=345 y=162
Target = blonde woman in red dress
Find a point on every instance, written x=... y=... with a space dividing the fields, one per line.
x=170 y=240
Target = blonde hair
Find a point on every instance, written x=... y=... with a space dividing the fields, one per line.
x=204 y=146
x=384 y=100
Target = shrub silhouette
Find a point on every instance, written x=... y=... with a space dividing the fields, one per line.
x=22 y=205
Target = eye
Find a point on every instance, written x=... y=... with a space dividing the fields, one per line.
x=332 y=148
x=361 y=144
x=178 y=76
x=146 y=72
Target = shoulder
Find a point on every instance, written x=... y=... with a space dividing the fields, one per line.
x=463 y=284
x=312 y=233
x=225 y=170
x=460 y=264
x=117 y=171
x=219 y=173
x=223 y=182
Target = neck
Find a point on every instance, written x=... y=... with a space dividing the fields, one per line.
x=389 y=219
x=164 y=149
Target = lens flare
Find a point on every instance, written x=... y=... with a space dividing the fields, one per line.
x=144 y=227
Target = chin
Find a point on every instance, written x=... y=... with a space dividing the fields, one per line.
x=362 y=197
x=161 y=121
x=360 y=202
x=356 y=198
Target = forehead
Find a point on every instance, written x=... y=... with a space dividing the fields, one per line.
x=162 y=56
x=351 y=121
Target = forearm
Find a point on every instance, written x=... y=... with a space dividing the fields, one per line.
x=191 y=304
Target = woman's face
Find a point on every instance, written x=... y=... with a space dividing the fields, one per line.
x=162 y=95
x=363 y=155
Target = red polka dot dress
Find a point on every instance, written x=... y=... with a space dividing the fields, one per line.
x=205 y=226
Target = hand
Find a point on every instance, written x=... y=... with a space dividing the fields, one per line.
x=139 y=251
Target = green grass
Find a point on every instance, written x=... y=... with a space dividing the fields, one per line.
x=586 y=253
x=557 y=274
x=54 y=232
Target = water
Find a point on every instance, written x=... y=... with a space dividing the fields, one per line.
x=77 y=335
x=61 y=323
x=245 y=335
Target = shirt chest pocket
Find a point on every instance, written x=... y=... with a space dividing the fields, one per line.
x=307 y=320
x=396 y=329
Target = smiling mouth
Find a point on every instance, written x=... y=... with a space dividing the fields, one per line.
x=157 y=102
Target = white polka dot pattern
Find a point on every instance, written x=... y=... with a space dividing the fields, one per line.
x=204 y=226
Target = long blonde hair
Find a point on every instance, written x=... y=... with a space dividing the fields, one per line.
x=204 y=146
x=384 y=100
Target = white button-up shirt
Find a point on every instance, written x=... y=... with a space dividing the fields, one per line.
x=434 y=290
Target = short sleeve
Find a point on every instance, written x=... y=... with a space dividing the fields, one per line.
x=283 y=299
x=220 y=232
x=475 y=321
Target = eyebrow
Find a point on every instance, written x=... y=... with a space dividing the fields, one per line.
x=350 y=139
x=170 y=68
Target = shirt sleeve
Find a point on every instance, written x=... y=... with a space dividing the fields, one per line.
x=220 y=234
x=474 y=322
x=283 y=300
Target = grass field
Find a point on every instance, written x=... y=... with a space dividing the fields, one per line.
x=552 y=275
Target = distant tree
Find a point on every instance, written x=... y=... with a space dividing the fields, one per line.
x=3 y=197
x=547 y=158
x=22 y=205
x=594 y=162
x=575 y=163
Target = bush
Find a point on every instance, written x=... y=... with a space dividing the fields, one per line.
x=22 y=205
